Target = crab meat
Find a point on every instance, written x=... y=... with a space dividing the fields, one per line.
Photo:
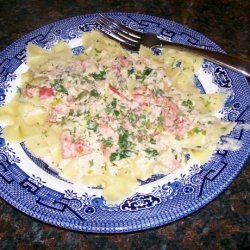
x=124 y=62
x=58 y=111
x=45 y=93
x=73 y=148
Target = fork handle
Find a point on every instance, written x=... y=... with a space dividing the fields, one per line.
x=232 y=62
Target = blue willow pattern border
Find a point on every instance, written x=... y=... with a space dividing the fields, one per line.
x=179 y=197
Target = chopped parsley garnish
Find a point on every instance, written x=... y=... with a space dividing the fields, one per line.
x=131 y=117
x=119 y=155
x=91 y=163
x=151 y=152
x=116 y=112
x=87 y=118
x=111 y=106
x=86 y=79
x=131 y=71
x=107 y=143
x=94 y=93
x=188 y=103
x=99 y=76
x=63 y=121
x=197 y=130
x=82 y=94
x=123 y=140
x=147 y=71
x=92 y=125
x=113 y=103
x=58 y=86
x=141 y=76
x=152 y=141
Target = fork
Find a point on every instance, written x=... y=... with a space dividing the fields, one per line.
x=131 y=40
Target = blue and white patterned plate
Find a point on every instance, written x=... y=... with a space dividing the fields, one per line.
x=32 y=187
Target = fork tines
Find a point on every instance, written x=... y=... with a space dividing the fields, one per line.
x=120 y=26
x=127 y=37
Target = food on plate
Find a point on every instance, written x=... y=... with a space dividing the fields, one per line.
x=108 y=118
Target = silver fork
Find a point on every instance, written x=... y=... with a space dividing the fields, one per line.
x=131 y=40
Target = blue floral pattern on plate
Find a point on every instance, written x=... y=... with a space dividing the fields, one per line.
x=160 y=199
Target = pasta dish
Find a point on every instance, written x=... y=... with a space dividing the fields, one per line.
x=108 y=118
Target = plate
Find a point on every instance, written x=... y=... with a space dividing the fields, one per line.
x=31 y=186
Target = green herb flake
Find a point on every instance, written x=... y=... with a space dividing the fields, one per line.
x=99 y=76
x=151 y=152
x=111 y=106
x=141 y=76
x=197 y=130
x=82 y=94
x=204 y=132
x=92 y=125
x=116 y=112
x=63 y=121
x=147 y=71
x=188 y=103
x=131 y=71
x=152 y=141
x=58 y=86
x=91 y=163
x=119 y=155
x=87 y=118
x=123 y=140
x=131 y=117
x=94 y=93
x=107 y=143
x=86 y=79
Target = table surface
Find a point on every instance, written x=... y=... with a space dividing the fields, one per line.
x=222 y=224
